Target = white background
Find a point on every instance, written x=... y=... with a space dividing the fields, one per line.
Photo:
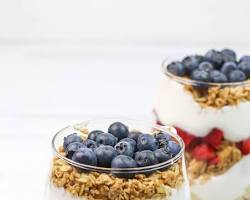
x=64 y=61
x=157 y=22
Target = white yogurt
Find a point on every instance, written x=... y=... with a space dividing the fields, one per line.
x=229 y=186
x=175 y=106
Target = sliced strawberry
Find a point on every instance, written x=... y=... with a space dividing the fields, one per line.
x=214 y=160
x=187 y=137
x=214 y=138
x=203 y=152
x=245 y=149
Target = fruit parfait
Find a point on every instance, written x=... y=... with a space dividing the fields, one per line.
x=207 y=98
x=112 y=160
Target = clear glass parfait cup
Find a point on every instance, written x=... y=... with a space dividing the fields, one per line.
x=213 y=120
x=70 y=180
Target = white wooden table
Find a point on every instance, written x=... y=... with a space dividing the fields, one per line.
x=44 y=87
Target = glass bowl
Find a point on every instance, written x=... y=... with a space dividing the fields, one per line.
x=211 y=117
x=71 y=180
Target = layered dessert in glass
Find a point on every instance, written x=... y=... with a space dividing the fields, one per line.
x=117 y=159
x=207 y=98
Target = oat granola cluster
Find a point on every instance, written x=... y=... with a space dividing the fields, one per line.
x=228 y=155
x=93 y=185
x=218 y=97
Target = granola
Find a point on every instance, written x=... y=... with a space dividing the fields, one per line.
x=228 y=155
x=104 y=186
x=218 y=97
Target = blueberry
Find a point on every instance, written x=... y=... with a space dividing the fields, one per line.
x=85 y=156
x=245 y=67
x=123 y=161
x=162 y=155
x=176 y=68
x=173 y=147
x=191 y=63
x=145 y=158
x=228 y=67
x=90 y=144
x=124 y=148
x=146 y=142
x=105 y=155
x=245 y=59
x=70 y=139
x=215 y=57
x=134 y=135
x=200 y=75
x=162 y=138
x=218 y=77
x=228 y=55
x=206 y=66
x=119 y=130
x=237 y=76
x=72 y=148
x=93 y=134
x=106 y=139
x=131 y=141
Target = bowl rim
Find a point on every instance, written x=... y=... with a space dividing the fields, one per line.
x=170 y=130
x=187 y=81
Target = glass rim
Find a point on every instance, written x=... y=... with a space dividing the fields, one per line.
x=187 y=81
x=123 y=170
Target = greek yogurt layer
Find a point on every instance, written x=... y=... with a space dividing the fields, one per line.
x=235 y=181
x=175 y=106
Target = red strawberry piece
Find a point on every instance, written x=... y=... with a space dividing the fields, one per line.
x=203 y=152
x=214 y=160
x=158 y=122
x=245 y=149
x=214 y=138
x=187 y=137
x=239 y=144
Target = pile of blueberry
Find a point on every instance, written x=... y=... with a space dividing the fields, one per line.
x=120 y=148
x=214 y=66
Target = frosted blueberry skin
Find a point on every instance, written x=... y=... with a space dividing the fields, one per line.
x=124 y=148
x=217 y=76
x=145 y=158
x=106 y=139
x=200 y=75
x=245 y=58
x=162 y=138
x=228 y=67
x=105 y=154
x=85 y=156
x=237 y=76
x=119 y=130
x=214 y=57
x=245 y=67
x=93 y=134
x=206 y=66
x=173 y=147
x=134 y=135
x=70 y=139
x=90 y=144
x=131 y=141
x=162 y=155
x=229 y=55
x=123 y=161
x=147 y=142
x=72 y=148
x=177 y=68
x=191 y=63
x=105 y=151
